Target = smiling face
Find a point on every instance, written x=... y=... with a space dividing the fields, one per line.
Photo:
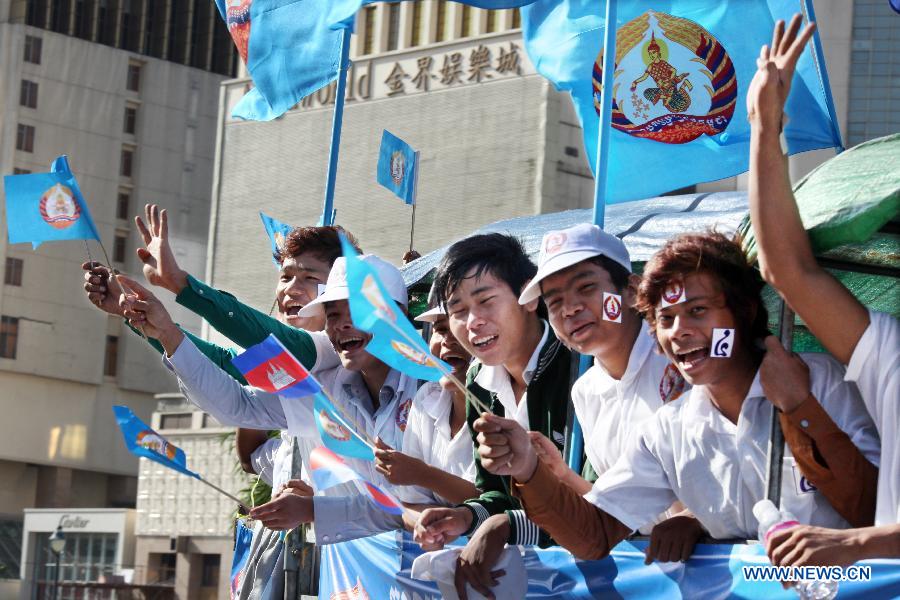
x=348 y=341
x=445 y=346
x=684 y=332
x=298 y=285
x=574 y=299
x=487 y=319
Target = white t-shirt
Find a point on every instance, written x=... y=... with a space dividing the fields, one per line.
x=428 y=438
x=691 y=452
x=612 y=411
x=875 y=367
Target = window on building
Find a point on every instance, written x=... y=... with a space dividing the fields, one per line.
x=123 y=206
x=9 y=336
x=25 y=138
x=210 y=575
x=28 y=94
x=33 y=49
x=466 y=21
x=119 y=243
x=517 y=19
x=18 y=171
x=127 y=163
x=441 y=24
x=369 y=30
x=416 y=35
x=12 y=274
x=111 y=357
x=11 y=545
x=133 y=80
x=393 y=26
x=59 y=16
x=176 y=421
x=167 y=568
x=87 y=557
x=130 y=119
x=491 y=25
x=84 y=10
x=36 y=14
x=210 y=422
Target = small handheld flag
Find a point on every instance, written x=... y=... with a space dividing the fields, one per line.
x=395 y=340
x=336 y=433
x=277 y=232
x=243 y=539
x=398 y=166
x=47 y=207
x=143 y=441
x=271 y=367
x=328 y=470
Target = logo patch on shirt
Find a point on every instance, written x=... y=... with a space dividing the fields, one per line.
x=671 y=384
x=722 y=342
x=403 y=414
x=802 y=484
x=612 y=307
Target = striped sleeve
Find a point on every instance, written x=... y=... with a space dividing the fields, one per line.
x=522 y=530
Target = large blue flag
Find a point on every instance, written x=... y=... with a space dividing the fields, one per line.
x=337 y=433
x=683 y=67
x=143 y=441
x=342 y=11
x=395 y=341
x=47 y=207
x=289 y=50
x=277 y=231
x=271 y=367
x=398 y=167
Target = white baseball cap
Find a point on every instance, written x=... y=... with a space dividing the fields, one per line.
x=564 y=248
x=336 y=287
x=432 y=314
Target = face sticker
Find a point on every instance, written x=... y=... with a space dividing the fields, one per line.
x=801 y=483
x=722 y=343
x=612 y=307
x=320 y=290
x=673 y=294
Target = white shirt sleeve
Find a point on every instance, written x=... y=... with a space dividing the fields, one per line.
x=413 y=446
x=219 y=394
x=342 y=518
x=875 y=367
x=263 y=459
x=326 y=356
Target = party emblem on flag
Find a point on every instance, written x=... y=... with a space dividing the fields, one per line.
x=398 y=167
x=279 y=240
x=357 y=592
x=671 y=384
x=58 y=207
x=679 y=82
x=673 y=294
x=154 y=442
x=332 y=428
x=403 y=414
x=612 y=307
x=376 y=298
x=237 y=17
x=410 y=353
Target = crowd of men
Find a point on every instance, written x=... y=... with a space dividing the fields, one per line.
x=675 y=409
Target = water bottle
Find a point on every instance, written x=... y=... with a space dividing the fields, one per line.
x=772 y=520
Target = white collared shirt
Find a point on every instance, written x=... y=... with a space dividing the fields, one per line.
x=875 y=367
x=497 y=380
x=428 y=438
x=691 y=452
x=272 y=461
x=612 y=411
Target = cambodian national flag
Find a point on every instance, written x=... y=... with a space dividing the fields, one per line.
x=270 y=367
x=243 y=540
x=277 y=232
x=343 y=10
x=143 y=441
x=328 y=470
x=47 y=207
x=395 y=341
x=682 y=71
x=337 y=433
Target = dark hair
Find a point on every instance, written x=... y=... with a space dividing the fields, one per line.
x=722 y=258
x=323 y=242
x=617 y=273
x=500 y=255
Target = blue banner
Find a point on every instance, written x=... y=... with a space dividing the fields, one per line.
x=398 y=167
x=379 y=567
x=277 y=232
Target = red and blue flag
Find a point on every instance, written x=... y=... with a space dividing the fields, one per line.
x=329 y=470
x=270 y=367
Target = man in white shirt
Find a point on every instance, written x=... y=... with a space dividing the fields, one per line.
x=865 y=341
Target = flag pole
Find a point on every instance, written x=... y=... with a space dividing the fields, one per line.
x=576 y=445
x=337 y=122
x=224 y=493
x=415 y=200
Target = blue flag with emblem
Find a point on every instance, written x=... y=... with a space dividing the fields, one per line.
x=143 y=441
x=343 y=10
x=337 y=434
x=398 y=167
x=277 y=232
x=288 y=47
x=47 y=207
x=682 y=71
x=395 y=341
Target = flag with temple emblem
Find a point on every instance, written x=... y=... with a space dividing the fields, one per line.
x=270 y=367
x=343 y=10
x=143 y=441
x=47 y=207
x=395 y=341
x=327 y=470
x=682 y=70
x=337 y=433
x=277 y=232
x=398 y=166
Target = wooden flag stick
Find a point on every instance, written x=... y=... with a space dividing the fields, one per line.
x=415 y=201
x=224 y=493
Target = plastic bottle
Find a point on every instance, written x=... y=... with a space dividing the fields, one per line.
x=772 y=520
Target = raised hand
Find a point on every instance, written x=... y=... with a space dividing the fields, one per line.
x=504 y=447
x=397 y=467
x=160 y=267
x=102 y=289
x=147 y=314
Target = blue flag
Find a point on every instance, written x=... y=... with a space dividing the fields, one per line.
x=395 y=341
x=143 y=441
x=337 y=434
x=343 y=10
x=243 y=540
x=398 y=167
x=683 y=68
x=47 y=207
x=288 y=47
x=270 y=367
x=277 y=231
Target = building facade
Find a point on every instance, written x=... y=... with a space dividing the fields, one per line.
x=129 y=93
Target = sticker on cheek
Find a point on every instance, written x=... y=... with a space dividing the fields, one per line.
x=722 y=343
x=673 y=294
x=612 y=307
x=321 y=290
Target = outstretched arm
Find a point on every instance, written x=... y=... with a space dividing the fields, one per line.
x=785 y=255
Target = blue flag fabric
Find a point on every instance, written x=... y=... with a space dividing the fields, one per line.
x=342 y=11
x=337 y=434
x=395 y=341
x=243 y=540
x=398 y=167
x=289 y=49
x=271 y=367
x=47 y=207
x=143 y=441
x=277 y=231
x=683 y=68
